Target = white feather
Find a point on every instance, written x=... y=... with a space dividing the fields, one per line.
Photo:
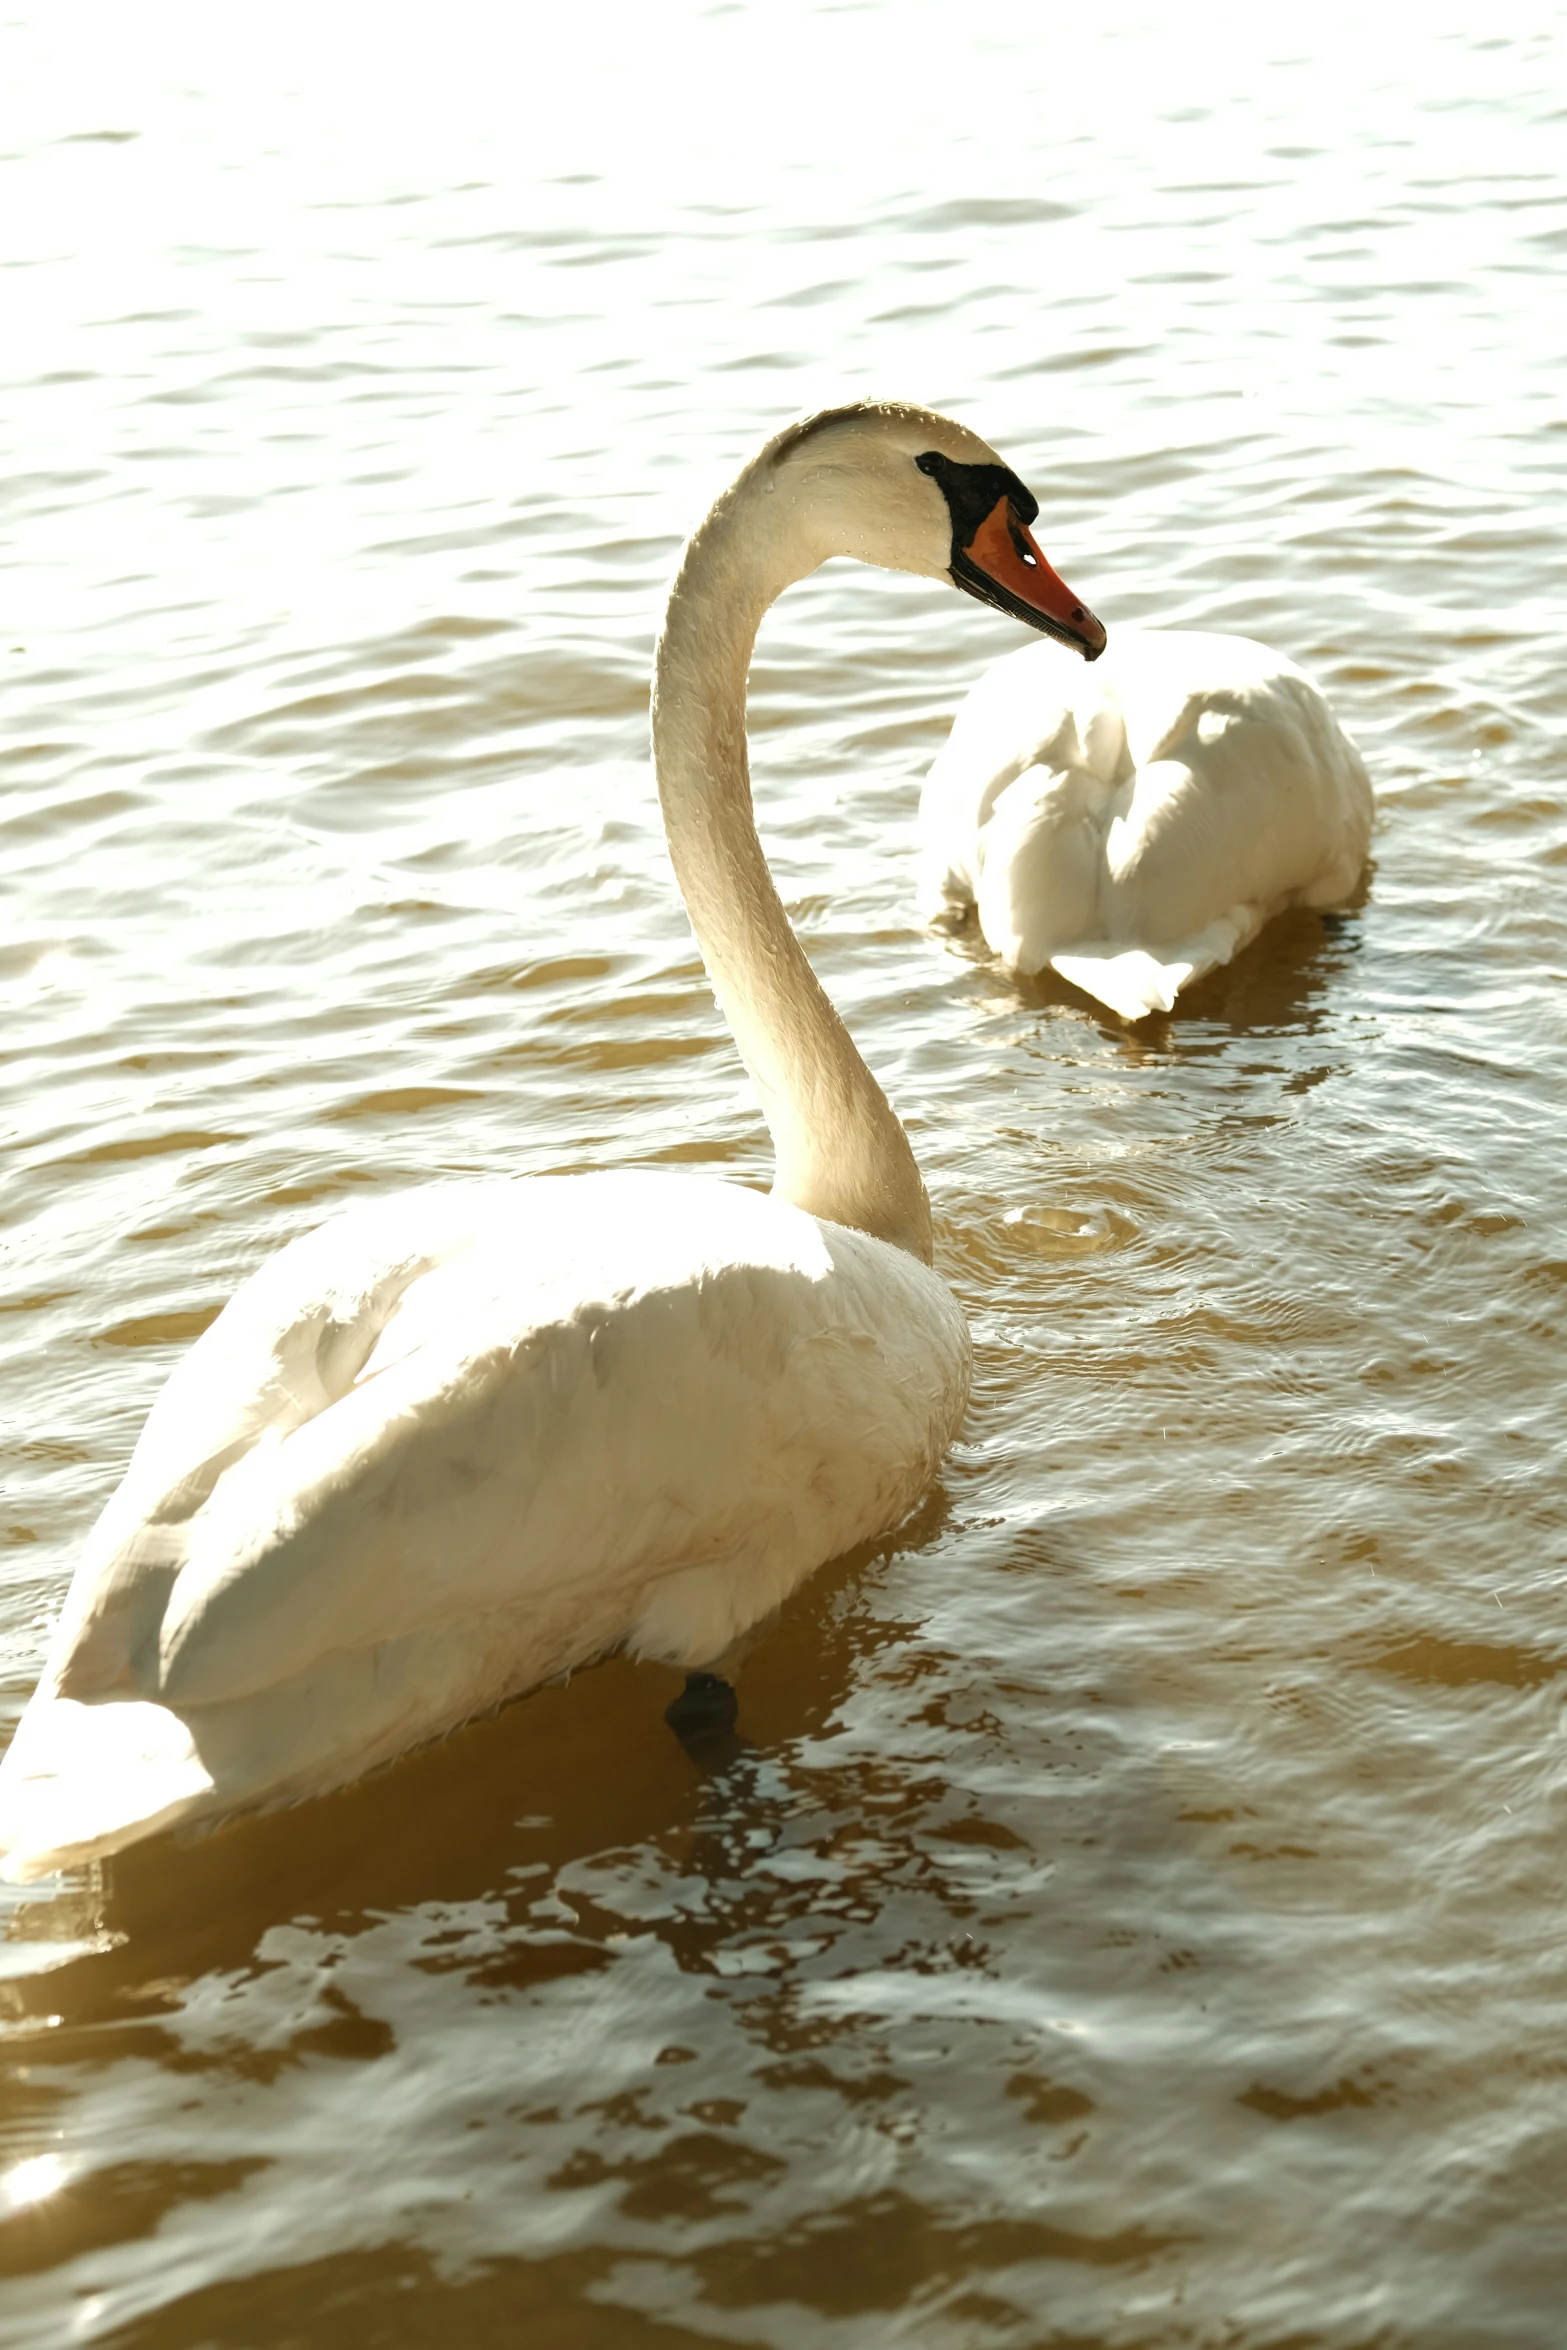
x=451 y=1445
x=1135 y=824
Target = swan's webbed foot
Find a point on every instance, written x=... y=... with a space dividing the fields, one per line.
x=706 y=1708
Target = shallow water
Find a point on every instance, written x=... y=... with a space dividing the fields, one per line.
x=1134 y=1914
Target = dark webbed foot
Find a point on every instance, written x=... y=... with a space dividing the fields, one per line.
x=706 y=1708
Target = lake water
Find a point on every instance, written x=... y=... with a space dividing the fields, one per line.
x=1135 y=1915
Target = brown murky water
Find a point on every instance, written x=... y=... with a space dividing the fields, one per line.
x=1135 y=1915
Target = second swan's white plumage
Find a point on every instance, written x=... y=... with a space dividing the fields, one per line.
x=1134 y=825
x=455 y=1443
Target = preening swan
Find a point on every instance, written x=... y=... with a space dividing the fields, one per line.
x=457 y=1442
x=1136 y=826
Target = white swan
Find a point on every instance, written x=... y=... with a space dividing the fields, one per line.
x=454 y=1443
x=1136 y=825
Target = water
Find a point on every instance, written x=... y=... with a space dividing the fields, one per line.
x=1135 y=1915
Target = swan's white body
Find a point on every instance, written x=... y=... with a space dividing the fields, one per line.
x=453 y=1444
x=1135 y=824
x=450 y=1445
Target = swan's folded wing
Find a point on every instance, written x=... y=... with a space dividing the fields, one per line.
x=1037 y=707
x=288 y=1344
x=616 y=1409
x=527 y=1439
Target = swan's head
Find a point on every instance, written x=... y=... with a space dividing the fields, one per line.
x=912 y=491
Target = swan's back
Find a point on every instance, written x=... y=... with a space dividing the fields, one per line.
x=452 y=1445
x=1135 y=823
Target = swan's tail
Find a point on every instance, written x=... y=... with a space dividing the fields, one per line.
x=1134 y=981
x=81 y=1780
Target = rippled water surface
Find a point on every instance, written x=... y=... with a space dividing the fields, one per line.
x=1135 y=1915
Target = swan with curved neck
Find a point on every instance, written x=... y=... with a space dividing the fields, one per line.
x=456 y=1443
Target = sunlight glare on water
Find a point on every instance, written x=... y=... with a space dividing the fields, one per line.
x=1133 y=1916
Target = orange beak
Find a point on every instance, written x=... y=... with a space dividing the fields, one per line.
x=1005 y=554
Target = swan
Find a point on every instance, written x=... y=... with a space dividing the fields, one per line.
x=456 y=1443
x=1137 y=827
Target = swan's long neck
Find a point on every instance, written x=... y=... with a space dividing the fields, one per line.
x=840 y=1151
